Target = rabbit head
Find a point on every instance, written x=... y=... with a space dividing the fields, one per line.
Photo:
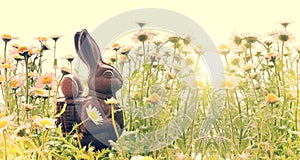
x=102 y=78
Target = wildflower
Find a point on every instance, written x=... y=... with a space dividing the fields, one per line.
x=65 y=70
x=111 y=101
x=28 y=107
x=69 y=57
x=1 y=79
x=284 y=36
x=38 y=92
x=153 y=98
x=55 y=37
x=139 y=157
x=31 y=75
x=250 y=38
x=34 y=51
x=189 y=61
x=16 y=46
x=198 y=84
x=7 y=66
x=23 y=50
x=271 y=56
x=115 y=47
x=223 y=49
x=5 y=121
x=141 y=24
x=143 y=36
x=123 y=58
x=41 y=39
x=135 y=95
x=237 y=40
x=46 y=80
x=7 y=37
x=15 y=83
x=22 y=129
x=247 y=68
x=125 y=50
x=17 y=57
x=285 y=23
x=231 y=82
x=272 y=98
x=235 y=61
x=45 y=123
x=45 y=46
x=94 y=115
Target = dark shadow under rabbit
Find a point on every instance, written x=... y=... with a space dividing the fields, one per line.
x=103 y=82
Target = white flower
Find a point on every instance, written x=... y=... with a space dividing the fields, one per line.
x=5 y=121
x=111 y=101
x=94 y=115
x=45 y=123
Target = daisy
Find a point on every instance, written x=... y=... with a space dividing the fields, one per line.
x=69 y=57
x=38 y=92
x=223 y=49
x=45 y=123
x=94 y=115
x=111 y=101
x=65 y=70
x=45 y=46
x=7 y=66
x=1 y=79
x=153 y=98
x=7 y=37
x=272 y=98
x=5 y=121
x=115 y=47
x=41 y=39
x=231 y=82
x=15 y=83
x=34 y=51
x=247 y=68
x=55 y=37
x=46 y=80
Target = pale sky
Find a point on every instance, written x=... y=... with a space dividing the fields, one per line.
x=219 y=18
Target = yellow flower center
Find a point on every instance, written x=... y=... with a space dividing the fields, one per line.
x=7 y=36
x=45 y=122
x=22 y=49
x=228 y=84
x=247 y=68
x=6 y=65
x=15 y=83
x=92 y=115
x=1 y=78
x=115 y=46
x=1 y=115
x=42 y=38
x=272 y=98
x=31 y=74
x=46 y=80
x=3 y=123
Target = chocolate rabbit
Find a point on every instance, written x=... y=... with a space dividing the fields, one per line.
x=103 y=82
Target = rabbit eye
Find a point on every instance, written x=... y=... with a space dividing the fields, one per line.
x=108 y=74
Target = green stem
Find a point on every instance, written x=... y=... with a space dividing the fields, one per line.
x=4 y=138
x=27 y=79
x=54 y=58
x=113 y=120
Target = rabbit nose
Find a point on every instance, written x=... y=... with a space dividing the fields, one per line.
x=108 y=74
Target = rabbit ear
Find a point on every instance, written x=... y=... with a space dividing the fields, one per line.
x=87 y=49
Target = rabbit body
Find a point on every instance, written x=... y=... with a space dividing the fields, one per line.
x=103 y=82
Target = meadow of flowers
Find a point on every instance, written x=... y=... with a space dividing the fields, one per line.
x=167 y=98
